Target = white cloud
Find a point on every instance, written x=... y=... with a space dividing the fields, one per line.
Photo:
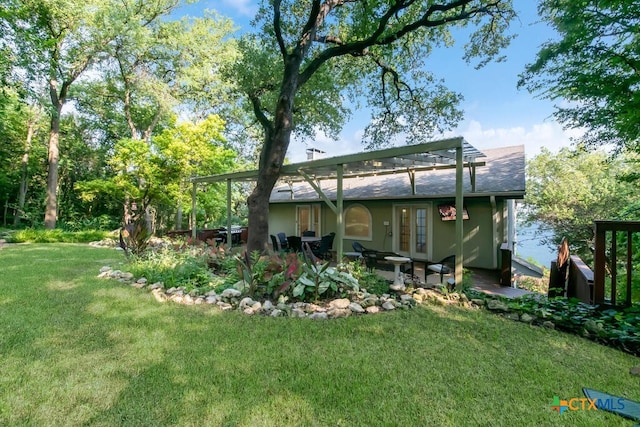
x=242 y=7
x=548 y=134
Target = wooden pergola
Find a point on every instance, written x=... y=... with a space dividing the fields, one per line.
x=443 y=154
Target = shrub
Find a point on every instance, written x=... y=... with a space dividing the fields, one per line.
x=56 y=236
x=173 y=269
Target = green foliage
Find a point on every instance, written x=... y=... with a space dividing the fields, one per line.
x=319 y=278
x=569 y=190
x=174 y=268
x=33 y=235
x=618 y=328
x=592 y=68
x=373 y=283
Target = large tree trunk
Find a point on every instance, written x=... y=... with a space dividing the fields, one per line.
x=22 y=195
x=274 y=150
x=51 y=209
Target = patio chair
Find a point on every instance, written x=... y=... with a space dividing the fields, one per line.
x=294 y=243
x=445 y=266
x=274 y=242
x=358 y=247
x=308 y=233
x=282 y=238
x=323 y=251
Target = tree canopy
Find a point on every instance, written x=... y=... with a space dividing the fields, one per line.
x=592 y=69
x=569 y=190
x=311 y=60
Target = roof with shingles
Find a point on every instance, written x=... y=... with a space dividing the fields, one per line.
x=502 y=175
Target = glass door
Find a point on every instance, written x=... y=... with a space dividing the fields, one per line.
x=412 y=226
x=308 y=219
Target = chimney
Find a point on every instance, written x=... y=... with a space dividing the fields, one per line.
x=314 y=154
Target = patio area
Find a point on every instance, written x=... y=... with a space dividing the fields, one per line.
x=487 y=281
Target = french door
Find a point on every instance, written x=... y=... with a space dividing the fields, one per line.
x=308 y=219
x=412 y=230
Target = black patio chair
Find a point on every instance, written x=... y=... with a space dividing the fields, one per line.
x=323 y=250
x=294 y=243
x=282 y=238
x=274 y=242
x=308 y=233
x=357 y=246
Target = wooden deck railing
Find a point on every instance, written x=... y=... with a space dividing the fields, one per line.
x=580 y=280
x=615 y=228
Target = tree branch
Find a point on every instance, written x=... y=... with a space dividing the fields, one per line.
x=359 y=46
x=277 y=28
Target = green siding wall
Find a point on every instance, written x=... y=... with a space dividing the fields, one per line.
x=480 y=246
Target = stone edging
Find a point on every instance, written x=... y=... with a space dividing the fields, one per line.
x=231 y=299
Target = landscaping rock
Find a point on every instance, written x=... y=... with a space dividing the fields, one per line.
x=231 y=293
x=497 y=305
x=548 y=324
x=298 y=312
x=319 y=316
x=159 y=295
x=267 y=306
x=225 y=306
x=337 y=313
x=277 y=313
x=635 y=370
x=249 y=311
x=374 y=309
x=246 y=302
x=512 y=316
x=388 y=305
x=212 y=299
x=356 y=308
x=369 y=302
x=340 y=303
x=157 y=285
x=527 y=318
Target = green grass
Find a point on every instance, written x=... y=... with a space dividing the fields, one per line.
x=78 y=350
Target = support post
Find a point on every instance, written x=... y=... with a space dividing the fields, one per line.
x=459 y=215
x=339 y=213
x=229 y=234
x=193 y=210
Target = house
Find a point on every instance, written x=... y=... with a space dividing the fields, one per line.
x=411 y=214
x=402 y=199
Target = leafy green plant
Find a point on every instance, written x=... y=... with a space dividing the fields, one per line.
x=373 y=283
x=173 y=268
x=318 y=278
x=252 y=268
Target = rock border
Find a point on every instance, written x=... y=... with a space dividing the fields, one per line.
x=358 y=303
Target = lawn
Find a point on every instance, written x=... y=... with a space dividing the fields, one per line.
x=78 y=350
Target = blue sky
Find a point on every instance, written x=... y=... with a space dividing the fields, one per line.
x=496 y=113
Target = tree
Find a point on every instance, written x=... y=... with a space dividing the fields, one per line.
x=59 y=40
x=154 y=72
x=311 y=56
x=593 y=68
x=158 y=171
x=569 y=190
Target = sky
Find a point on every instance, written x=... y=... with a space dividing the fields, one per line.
x=496 y=112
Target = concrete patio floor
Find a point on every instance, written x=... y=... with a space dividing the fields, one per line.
x=487 y=281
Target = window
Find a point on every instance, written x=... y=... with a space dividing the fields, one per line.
x=357 y=222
